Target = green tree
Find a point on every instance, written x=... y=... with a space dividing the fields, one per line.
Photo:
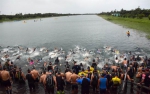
x=140 y=16
x=149 y=17
x=1 y=17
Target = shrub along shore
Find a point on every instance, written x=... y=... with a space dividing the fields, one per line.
x=20 y=16
x=138 y=24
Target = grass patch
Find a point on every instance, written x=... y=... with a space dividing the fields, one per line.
x=138 y=24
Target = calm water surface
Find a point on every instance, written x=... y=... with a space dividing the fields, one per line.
x=87 y=31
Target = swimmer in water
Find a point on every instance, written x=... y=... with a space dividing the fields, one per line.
x=27 y=50
x=34 y=49
x=128 y=33
x=18 y=57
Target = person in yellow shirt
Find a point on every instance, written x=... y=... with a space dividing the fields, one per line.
x=116 y=80
x=115 y=83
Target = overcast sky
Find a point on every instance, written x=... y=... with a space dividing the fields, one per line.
x=69 y=6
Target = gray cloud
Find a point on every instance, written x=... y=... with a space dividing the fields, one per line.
x=69 y=6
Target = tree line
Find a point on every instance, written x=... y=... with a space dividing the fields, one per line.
x=20 y=16
x=134 y=13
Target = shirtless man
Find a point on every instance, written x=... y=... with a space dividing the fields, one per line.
x=42 y=79
x=114 y=68
x=68 y=77
x=36 y=74
x=73 y=79
x=5 y=76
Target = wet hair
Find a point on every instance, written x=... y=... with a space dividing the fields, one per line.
x=4 y=68
x=75 y=62
x=44 y=72
x=74 y=71
x=93 y=60
x=33 y=67
x=82 y=69
x=8 y=60
x=102 y=75
x=15 y=66
x=59 y=73
x=20 y=69
x=11 y=62
x=29 y=70
x=82 y=75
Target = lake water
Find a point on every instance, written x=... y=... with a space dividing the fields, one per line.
x=89 y=31
x=68 y=32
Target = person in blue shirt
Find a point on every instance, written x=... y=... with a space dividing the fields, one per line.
x=102 y=84
x=85 y=84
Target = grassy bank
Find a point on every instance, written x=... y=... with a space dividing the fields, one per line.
x=138 y=24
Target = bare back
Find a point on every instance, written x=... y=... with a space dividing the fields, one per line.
x=35 y=73
x=5 y=75
x=42 y=78
x=68 y=76
x=74 y=78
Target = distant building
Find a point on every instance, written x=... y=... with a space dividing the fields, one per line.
x=116 y=14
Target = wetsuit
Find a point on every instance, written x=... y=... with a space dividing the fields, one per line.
x=95 y=81
x=85 y=85
x=94 y=65
x=76 y=68
x=30 y=81
x=60 y=83
x=50 y=67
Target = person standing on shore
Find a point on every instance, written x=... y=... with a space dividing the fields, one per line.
x=6 y=80
x=102 y=84
x=30 y=78
x=36 y=74
x=74 y=77
x=50 y=82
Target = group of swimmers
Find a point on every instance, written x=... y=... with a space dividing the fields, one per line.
x=105 y=81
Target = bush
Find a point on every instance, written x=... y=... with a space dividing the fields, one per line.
x=149 y=17
x=141 y=16
x=1 y=17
